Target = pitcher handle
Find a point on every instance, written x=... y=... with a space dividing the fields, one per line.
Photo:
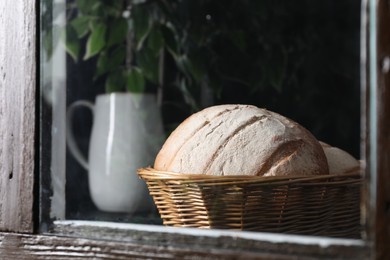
x=70 y=141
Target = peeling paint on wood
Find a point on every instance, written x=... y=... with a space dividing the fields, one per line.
x=17 y=113
x=17 y=246
x=129 y=232
x=382 y=207
x=205 y=240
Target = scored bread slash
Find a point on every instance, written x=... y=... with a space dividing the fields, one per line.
x=241 y=140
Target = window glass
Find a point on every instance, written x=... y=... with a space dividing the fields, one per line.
x=117 y=77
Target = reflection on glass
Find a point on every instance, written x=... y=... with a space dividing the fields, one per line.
x=126 y=73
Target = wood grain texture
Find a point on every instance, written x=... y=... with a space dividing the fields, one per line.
x=17 y=113
x=366 y=210
x=18 y=246
x=382 y=220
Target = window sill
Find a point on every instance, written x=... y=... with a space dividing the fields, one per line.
x=86 y=237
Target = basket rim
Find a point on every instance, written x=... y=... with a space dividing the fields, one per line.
x=149 y=173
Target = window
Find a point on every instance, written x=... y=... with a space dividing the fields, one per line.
x=304 y=248
x=166 y=61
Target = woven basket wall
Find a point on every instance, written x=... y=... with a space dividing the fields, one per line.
x=327 y=205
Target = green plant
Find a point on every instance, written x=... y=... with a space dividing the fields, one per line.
x=197 y=47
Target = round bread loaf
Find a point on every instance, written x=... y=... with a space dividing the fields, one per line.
x=241 y=140
x=339 y=161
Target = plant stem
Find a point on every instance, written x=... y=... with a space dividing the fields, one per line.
x=161 y=72
x=129 y=41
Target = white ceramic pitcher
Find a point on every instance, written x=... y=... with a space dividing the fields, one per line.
x=126 y=135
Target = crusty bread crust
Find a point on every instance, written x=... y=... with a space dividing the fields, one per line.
x=241 y=140
x=339 y=161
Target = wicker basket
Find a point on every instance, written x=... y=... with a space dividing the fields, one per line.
x=327 y=205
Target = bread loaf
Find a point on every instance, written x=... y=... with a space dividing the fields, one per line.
x=339 y=161
x=241 y=140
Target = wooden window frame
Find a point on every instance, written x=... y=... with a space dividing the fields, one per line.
x=19 y=179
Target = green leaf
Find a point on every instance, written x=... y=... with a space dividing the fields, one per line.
x=91 y=7
x=72 y=43
x=183 y=64
x=135 y=81
x=94 y=23
x=169 y=40
x=115 y=82
x=101 y=65
x=98 y=9
x=96 y=41
x=85 y=5
x=80 y=24
x=117 y=31
x=117 y=57
x=113 y=8
x=148 y=63
x=155 y=40
x=141 y=25
x=110 y=61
